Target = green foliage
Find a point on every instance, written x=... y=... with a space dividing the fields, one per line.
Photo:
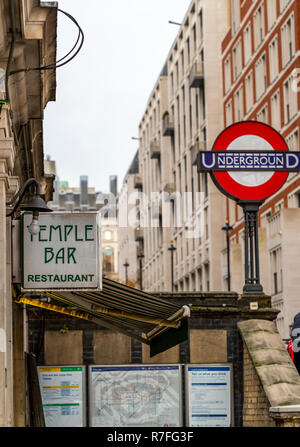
x=64 y=330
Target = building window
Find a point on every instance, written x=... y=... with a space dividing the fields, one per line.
x=259 y=29
x=108 y=260
x=237 y=60
x=195 y=39
x=108 y=235
x=262 y=116
x=288 y=41
x=283 y=4
x=261 y=76
x=290 y=100
x=184 y=115
x=201 y=25
x=228 y=113
x=249 y=91
x=276 y=271
x=247 y=43
x=227 y=74
x=177 y=72
x=239 y=104
x=199 y=275
x=172 y=83
x=275 y=110
x=294 y=199
x=188 y=50
x=205 y=179
x=293 y=141
x=273 y=59
x=272 y=12
x=235 y=14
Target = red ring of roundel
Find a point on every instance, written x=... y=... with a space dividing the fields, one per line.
x=250 y=192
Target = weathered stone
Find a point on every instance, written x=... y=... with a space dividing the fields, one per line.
x=257 y=325
x=283 y=394
x=269 y=357
x=271 y=375
x=274 y=367
x=264 y=340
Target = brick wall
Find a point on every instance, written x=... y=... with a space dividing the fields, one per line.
x=256 y=406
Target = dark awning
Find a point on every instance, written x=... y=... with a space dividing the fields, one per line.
x=155 y=321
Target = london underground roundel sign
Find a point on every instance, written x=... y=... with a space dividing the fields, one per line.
x=249 y=161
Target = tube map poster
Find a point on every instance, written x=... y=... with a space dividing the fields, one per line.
x=135 y=396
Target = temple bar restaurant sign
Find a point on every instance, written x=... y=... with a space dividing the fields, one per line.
x=249 y=161
x=65 y=254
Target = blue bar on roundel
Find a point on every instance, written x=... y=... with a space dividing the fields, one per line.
x=249 y=161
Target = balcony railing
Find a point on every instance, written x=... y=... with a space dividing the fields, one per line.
x=154 y=150
x=167 y=126
x=196 y=78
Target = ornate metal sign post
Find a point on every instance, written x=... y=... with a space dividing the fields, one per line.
x=249 y=162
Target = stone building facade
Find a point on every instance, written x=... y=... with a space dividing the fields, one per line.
x=130 y=234
x=27 y=40
x=182 y=116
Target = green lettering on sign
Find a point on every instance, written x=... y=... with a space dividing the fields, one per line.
x=53 y=228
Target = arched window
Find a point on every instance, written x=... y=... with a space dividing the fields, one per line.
x=107 y=235
x=108 y=260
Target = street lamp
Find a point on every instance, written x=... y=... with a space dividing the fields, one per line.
x=126 y=265
x=140 y=258
x=35 y=204
x=174 y=23
x=228 y=228
x=172 y=249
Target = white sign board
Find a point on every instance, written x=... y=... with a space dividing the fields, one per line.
x=65 y=254
x=135 y=396
x=208 y=389
x=63 y=395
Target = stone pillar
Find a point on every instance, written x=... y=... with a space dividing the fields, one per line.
x=6 y=407
x=7 y=188
x=286 y=416
x=19 y=366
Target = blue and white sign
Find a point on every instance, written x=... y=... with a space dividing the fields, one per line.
x=249 y=161
x=208 y=389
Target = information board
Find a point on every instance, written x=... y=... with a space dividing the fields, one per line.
x=209 y=395
x=135 y=396
x=65 y=254
x=63 y=395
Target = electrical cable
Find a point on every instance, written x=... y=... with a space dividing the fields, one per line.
x=59 y=62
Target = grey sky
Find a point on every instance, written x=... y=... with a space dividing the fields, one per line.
x=102 y=93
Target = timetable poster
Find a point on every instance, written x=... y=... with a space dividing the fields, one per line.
x=63 y=395
x=209 y=395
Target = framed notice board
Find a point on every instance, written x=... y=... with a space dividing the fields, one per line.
x=135 y=396
x=63 y=392
x=209 y=395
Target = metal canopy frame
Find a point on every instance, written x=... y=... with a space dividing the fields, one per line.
x=124 y=309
